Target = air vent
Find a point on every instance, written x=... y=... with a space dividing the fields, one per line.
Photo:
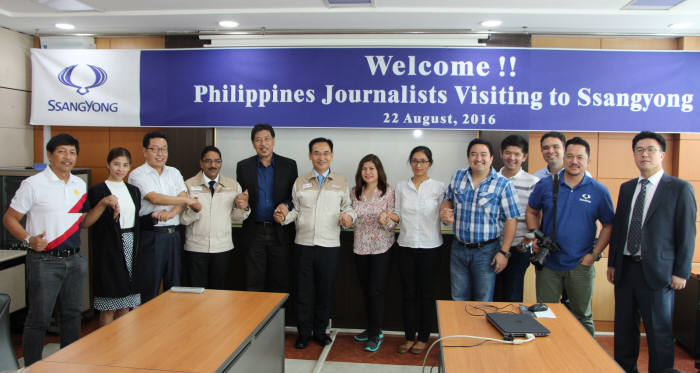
x=651 y=4
x=65 y=5
x=337 y=3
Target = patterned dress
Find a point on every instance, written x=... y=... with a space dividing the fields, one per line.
x=126 y=206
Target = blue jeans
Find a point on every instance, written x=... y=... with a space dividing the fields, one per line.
x=52 y=281
x=471 y=273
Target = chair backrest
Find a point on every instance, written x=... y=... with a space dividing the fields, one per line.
x=8 y=361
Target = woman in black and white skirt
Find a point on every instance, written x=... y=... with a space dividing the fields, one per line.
x=115 y=206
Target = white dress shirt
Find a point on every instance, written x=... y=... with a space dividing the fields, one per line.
x=651 y=189
x=419 y=210
x=169 y=183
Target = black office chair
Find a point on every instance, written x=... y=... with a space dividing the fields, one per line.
x=7 y=352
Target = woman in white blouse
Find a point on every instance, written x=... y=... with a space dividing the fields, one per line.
x=115 y=207
x=418 y=211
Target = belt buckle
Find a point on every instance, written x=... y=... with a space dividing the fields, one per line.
x=63 y=253
x=171 y=230
x=267 y=224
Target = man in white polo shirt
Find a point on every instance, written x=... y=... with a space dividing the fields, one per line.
x=163 y=196
x=509 y=283
x=54 y=201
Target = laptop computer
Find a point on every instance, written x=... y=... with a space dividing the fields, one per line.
x=513 y=325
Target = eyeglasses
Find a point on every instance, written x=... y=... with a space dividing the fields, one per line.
x=210 y=161
x=650 y=150
x=156 y=150
x=417 y=162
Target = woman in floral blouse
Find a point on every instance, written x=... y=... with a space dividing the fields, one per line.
x=373 y=202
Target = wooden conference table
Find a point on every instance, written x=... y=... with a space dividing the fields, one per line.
x=216 y=331
x=569 y=347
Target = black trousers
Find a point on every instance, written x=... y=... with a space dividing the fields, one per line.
x=207 y=270
x=634 y=298
x=509 y=283
x=418 y=275
x=159 y=258
x=372 y=271
x=267 y=261
x=316 y=267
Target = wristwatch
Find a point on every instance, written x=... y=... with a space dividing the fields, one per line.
x=596 y=257
x=505 y=253
x=26 y=240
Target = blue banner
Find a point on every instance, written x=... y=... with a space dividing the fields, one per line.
x=441 y=88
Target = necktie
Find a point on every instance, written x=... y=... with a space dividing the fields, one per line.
x=320 y=180
x=211 y=186
x=634 y=236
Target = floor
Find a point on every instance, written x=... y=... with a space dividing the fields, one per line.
x=347 y=355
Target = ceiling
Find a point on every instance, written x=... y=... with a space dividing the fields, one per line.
x=129 y=17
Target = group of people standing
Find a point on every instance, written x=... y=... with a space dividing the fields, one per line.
x=494 y=216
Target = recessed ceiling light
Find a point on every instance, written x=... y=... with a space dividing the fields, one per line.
x=64 y=26
x=228 y=24
x=65 y=5
x=680 y=25
x=491 y=23
x=651 y=4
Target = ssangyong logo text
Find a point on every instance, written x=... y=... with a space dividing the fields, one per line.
x=86 y=106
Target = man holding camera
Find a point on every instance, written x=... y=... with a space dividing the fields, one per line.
x=570 y=202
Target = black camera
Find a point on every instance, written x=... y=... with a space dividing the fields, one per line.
x=547 y=246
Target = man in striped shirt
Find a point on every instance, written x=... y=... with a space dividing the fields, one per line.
x=481 y=205
x=509 y=283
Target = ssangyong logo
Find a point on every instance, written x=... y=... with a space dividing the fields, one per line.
x=84 y=106
x=100 y=78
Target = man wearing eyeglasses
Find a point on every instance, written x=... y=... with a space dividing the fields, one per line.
x=651 y=253
x=321 y=204
x=208 y=242
x=163 y=196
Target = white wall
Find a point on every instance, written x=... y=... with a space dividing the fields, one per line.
x=16 y=135
x=393 y=146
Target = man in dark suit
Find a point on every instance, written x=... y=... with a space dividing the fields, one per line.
x=651 y=251
x=268 y=177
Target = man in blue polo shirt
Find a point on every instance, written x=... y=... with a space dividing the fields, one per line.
x=581 y=201
x=481 y=205
x=54 y=202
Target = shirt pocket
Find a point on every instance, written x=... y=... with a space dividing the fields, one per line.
x=333 y=196
x=462 y=195
x=488 y=202
x=307 y=198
